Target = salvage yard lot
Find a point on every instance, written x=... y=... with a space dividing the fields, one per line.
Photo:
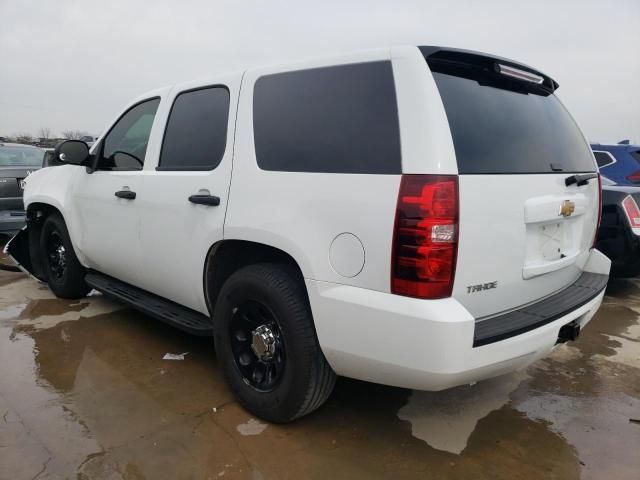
x=85 y=392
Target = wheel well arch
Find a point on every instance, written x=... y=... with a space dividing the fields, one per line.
x=227 y=256
x=37 y=212
x=40 y=210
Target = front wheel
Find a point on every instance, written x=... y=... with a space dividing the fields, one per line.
x=64 y=273
x=267 y=345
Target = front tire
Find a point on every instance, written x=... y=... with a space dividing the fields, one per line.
x=64 y=273
x=266 y=343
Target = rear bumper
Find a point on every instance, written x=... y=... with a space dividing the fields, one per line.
x=426 y=345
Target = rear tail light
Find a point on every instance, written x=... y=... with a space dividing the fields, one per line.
x=632 y=211
x=634 y=177
x=595 y=235
x=425 y=237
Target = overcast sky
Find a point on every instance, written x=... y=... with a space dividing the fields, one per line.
x=73 y=64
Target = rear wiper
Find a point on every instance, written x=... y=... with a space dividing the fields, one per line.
x=580 y=179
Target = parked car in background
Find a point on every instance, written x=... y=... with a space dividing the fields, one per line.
x=620 y=162
x=89 y=139
x=334 y=247
x=50 y=159
x=17 y=161
x=619 y=233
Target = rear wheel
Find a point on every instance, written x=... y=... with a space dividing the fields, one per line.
x=64 y=273
x=267 y=345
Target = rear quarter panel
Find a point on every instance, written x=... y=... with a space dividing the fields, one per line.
x=302 y=213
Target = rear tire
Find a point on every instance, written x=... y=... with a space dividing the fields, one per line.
x=64 y=273
x=267 y=346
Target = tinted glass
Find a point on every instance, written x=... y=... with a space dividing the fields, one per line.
x=126 y=144
x=17 y=156
x=196 y=133
x=340 y=119
x=636 y=155
x=602 y=159
x=497 y=130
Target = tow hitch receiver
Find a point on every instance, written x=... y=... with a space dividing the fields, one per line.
x=569 y=332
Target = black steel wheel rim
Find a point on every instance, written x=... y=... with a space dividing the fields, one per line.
x=56 y=255
x=251 y=323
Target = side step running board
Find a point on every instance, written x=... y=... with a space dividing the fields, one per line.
x=169 y=312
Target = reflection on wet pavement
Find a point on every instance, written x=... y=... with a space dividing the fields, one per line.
x=84 y=393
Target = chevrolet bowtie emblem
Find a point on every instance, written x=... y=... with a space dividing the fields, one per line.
x=567 y=208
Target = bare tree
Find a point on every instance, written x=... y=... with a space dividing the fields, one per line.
x=69 y=134
x=23 y=137
x=72 y=134
x=45 y=133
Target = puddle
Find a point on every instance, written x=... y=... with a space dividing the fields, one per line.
x=84 y=393
x=34 y=306
x=445 y=420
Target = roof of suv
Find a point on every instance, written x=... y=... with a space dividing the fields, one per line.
x=437 y=53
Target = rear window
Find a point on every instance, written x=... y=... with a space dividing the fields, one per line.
x=339 y=119
x=499 y=130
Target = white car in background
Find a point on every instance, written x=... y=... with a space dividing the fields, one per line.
x=89 y=140
x=418 y=217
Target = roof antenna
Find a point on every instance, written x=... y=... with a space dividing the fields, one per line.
x=623 y=142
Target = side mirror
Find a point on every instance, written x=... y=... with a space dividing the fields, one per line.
x=71 y=152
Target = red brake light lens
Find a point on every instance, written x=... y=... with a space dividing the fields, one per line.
x=634 y=177
x=425 y=237
x=599 y=220
x=632 y=211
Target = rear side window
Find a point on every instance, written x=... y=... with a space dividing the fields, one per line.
x=636 y=155
x=196 y=134
x=501 y=130
x=340 y=119
x=603 y=159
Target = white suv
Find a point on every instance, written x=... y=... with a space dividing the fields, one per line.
x=419 y=217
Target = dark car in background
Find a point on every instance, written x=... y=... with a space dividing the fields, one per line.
x=619 y=234
x=619 y=162
x=17 y=161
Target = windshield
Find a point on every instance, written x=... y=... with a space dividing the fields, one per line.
x=17 y=156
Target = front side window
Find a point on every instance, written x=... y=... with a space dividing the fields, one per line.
x=125 y=145
x=196 y=133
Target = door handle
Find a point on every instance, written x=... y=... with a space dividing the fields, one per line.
x=126 y=194
x=201 y=199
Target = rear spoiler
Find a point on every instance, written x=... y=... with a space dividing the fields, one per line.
x=470 y=64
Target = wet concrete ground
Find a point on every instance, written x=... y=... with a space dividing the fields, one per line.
x=84 y=393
